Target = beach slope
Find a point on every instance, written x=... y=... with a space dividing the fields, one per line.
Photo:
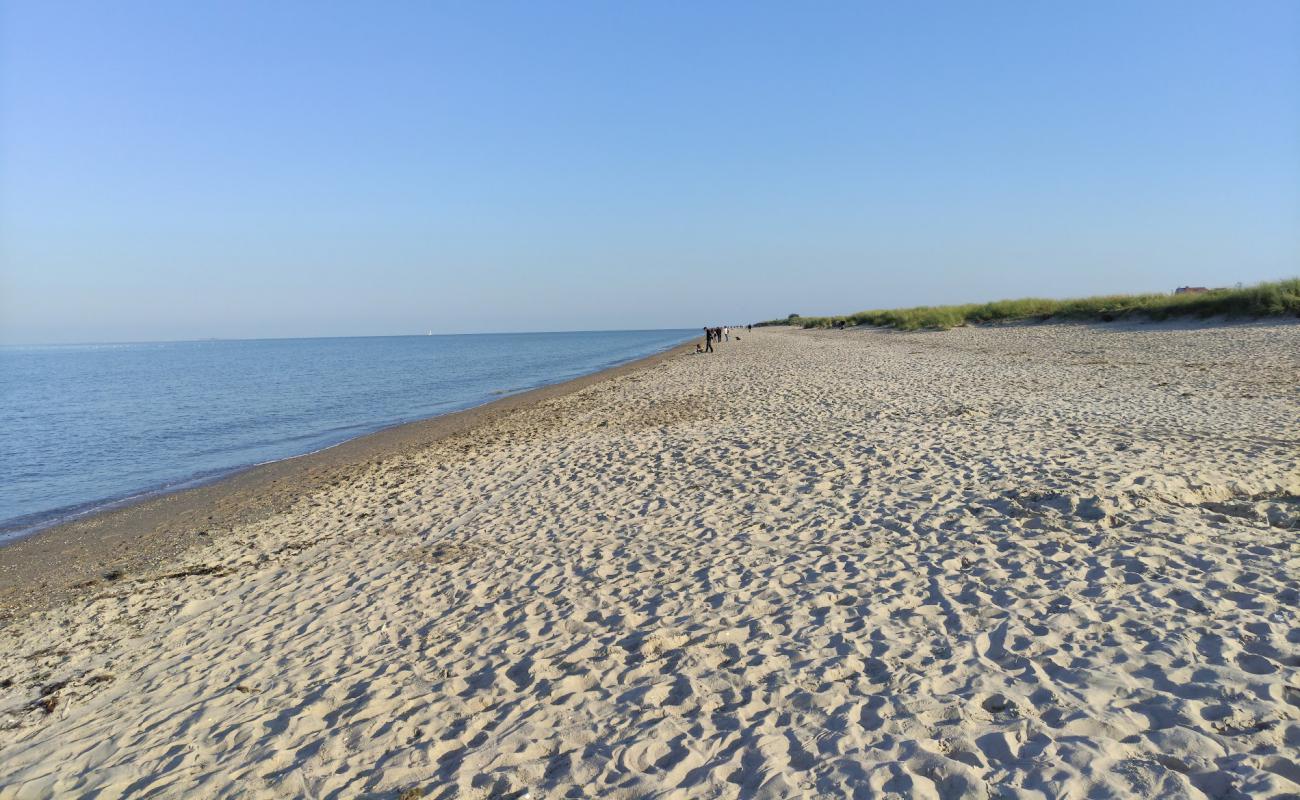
x=1019 y=561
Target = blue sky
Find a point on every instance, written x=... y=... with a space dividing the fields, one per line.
x=182 y=170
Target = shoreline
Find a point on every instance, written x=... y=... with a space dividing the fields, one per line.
x=59 y=562
x=28 y=525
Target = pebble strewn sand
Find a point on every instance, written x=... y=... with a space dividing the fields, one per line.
x=1031 y=561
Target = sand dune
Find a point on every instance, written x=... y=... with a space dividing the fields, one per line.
x=1032 y=561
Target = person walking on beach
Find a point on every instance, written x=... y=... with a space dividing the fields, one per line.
x=708 y=340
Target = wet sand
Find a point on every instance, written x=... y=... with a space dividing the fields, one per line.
x=1022 y=561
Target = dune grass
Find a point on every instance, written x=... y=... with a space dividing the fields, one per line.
x=1276 y=298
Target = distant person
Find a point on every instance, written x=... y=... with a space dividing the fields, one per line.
x=749 y=328
x=726 y=334
x=708 y=340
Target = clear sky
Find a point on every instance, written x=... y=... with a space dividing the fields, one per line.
x=188 y=169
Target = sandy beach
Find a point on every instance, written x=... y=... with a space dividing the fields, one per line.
x=1024 y=561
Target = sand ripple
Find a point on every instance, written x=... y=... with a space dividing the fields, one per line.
x=1024 y=562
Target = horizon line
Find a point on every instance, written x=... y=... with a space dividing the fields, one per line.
x=349 y=336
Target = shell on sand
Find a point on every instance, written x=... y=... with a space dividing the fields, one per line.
x=1018 y=561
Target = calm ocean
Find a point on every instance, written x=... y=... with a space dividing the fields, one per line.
x=84 y=426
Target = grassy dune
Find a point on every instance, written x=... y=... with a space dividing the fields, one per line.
x=1278 y=298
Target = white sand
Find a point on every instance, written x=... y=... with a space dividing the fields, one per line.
x=1023 y=562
